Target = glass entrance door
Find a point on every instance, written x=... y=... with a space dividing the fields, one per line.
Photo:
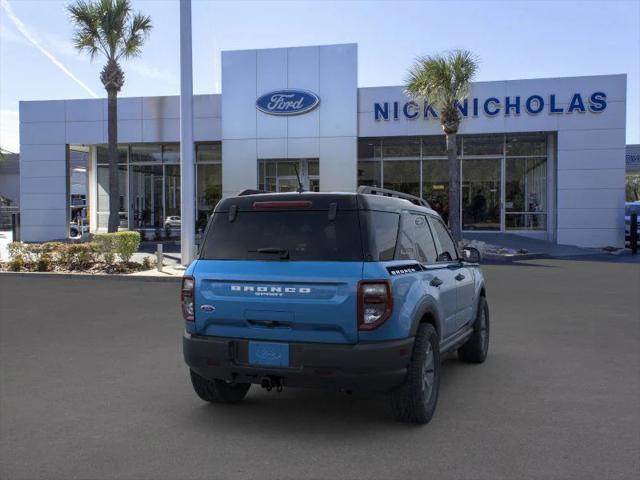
x=481 y=194
x=281 y=175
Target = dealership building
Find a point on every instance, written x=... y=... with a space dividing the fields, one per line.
x=543 y=158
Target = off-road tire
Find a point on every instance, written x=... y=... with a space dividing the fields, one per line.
x=218 y=391
x=476 y=348
x=413 y=402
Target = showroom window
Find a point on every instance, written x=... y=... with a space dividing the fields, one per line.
x=102 y=200
x=503 y=177
x=149 y=176
x=208 y=181
x=285 y=175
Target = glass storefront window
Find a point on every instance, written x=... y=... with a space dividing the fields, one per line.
x=102 y=154
x=369 y=148
x=102 y=203
x=403 y=176
x=525 y=193
x=172 y=191
x=208 y=191
x=482 y=145
x=400 y=147
x=281 y=175
x=146 y=153
x=526 y=144
x=209 y=152
x=435 y=186
x=146 y=193
x=435 y=146
x=481 y=194
x=171 y=153
x=369 y=173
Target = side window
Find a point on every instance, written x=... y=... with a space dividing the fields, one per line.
x=446 y=248
x=416 y=242
x=384 y=232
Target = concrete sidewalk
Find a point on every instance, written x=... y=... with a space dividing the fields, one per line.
x=531 y=245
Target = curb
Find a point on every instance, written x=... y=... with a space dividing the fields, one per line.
x=89 y=276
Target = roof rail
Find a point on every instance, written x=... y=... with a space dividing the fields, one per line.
x=250 y=191
x=366 y=189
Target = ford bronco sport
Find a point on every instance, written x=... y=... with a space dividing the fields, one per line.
x=341 y=290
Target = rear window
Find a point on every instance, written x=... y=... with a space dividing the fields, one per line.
x=303 y=235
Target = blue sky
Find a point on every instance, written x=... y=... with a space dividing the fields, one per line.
x=513 y=40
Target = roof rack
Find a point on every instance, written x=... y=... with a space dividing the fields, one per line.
x=250 y=191
x=366 y=189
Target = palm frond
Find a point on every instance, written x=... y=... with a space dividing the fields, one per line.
x=109 y=27
x=442 y=80
x=139 y=29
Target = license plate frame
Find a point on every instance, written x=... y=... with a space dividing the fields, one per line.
x=269 y=354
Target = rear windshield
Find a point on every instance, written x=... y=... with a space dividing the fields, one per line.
x=284 y=235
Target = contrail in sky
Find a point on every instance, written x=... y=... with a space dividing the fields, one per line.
x=27 y=34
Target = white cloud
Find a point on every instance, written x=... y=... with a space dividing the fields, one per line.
x=22 y=28
x=9 y=130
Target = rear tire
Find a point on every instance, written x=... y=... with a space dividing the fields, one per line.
x=416 y=399
x=218 y=391
x=476 y=348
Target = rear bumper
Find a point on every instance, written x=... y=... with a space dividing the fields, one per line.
x=378 y=366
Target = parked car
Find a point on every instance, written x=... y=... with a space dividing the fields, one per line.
x=76 y=230
x=172 y=222
x=349 y=291
x=629 y=208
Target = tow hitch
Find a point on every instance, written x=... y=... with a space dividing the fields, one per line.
x=271 y=382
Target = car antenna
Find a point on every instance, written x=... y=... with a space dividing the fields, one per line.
x=300 y=187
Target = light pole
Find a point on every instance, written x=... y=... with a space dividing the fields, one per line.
x=187 y=147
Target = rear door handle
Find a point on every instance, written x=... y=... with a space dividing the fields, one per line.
x=459 y=277
x=436 y=282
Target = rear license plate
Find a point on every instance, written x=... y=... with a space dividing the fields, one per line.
x=266 y=353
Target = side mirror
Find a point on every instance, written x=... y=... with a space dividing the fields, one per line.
x=471 y=255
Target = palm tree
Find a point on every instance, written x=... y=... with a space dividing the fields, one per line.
x=444 y=81
x=110 y=28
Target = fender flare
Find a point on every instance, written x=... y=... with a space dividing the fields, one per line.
x=427 y=307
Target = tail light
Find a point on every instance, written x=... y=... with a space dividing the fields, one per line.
x=375 y=303
x=186 y=298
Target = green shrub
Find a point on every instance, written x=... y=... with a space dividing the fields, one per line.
x=77 y=256
x=126 y=244
x=147 y=263
x=17 y=263
x=44 y=263
x=106 y=247
x=51 y=247
x=17 y=249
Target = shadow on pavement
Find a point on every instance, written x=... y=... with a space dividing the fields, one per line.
x=309 y=411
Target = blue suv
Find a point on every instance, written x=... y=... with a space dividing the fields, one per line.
x=339 y=290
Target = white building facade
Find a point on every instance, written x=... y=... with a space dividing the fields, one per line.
x=543 y=157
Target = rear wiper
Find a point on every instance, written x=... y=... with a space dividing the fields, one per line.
x=283 y=252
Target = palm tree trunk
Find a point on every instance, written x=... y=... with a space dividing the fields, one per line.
x=114 y=190
x=454 y=188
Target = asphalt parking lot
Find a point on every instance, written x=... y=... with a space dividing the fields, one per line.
x=92 y=386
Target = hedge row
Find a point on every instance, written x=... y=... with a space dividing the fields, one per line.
x=105 y=247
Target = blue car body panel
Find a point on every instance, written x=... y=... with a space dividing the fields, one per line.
x=277 y=300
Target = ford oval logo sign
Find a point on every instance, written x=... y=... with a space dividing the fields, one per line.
x=287 y=102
